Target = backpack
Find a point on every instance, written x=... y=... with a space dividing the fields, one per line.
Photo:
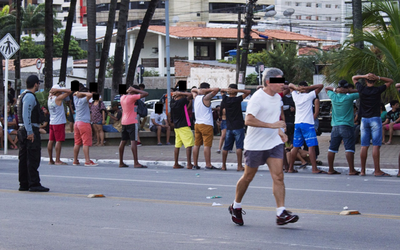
x=142 y=109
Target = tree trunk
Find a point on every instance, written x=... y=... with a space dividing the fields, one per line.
x=106 y=46
x=119 y=47
x=91 y=22
x=48 y=44
x=67 y=38
x=139 y=41
x=357 y=22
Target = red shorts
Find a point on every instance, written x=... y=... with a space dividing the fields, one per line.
x=57 y=132
x=83 y=133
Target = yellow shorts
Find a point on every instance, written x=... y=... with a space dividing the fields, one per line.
x=184 y=136
x=203 y=134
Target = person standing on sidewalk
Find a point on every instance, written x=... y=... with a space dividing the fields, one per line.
x=130 y=124
x=203 y=128
x=342 y=124
x=82 y=126
x=371 y=123
x=303 y=97
x=234 y=123
x=57 y=122
x=264 y=143
x=29 y=138
x=181 y=120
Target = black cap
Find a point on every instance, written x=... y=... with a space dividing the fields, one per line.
x=204 y=85
x=32 y=79
x=303 y=83
x=233 y=86
x=343 y=84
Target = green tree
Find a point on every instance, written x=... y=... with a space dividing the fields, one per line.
x=74 y=50
x=29 y=49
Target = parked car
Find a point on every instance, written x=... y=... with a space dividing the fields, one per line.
x=325 y=116
x=215 y=103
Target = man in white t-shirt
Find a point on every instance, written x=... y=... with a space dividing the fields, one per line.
x=304 y=131
x=158 y=124
x=264 y=143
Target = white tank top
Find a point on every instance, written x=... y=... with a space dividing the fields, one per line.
x=57 y=113
x=202 y=113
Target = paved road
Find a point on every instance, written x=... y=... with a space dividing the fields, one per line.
x=162 y=208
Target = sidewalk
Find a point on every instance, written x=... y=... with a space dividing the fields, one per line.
x=164 y=155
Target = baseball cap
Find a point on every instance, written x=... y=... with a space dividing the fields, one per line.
x=233 y=86
x=303 y=83
x=204 y=85
x=32 y=79
x=343 y=84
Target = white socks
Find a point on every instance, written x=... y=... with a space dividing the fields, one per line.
x=279 y=210
x=236 y=205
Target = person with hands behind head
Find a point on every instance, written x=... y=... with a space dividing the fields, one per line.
x=57 y=122
x=204 y=132
x=29 y=138
x=371 y=123
x=130 y=124
x=82 y=126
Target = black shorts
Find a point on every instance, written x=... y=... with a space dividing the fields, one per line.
x=129 y=132
x=70 y=117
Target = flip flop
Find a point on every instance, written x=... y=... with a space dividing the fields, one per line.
x=196 y=167
x=141 y=166
x=168 y=143
x=159 y=144
x=294 y=171
x=123 y=166
x=356 y=173
x=303 y=165
x=383 y=175
x=320 y=172
x=319 y=162
x=335 y=172
x=178 y=167
x=212 y=167
x=61 y=163
x=51 y=163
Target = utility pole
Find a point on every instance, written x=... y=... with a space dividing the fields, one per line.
x=17 y=61
x=357 y=22
x=246 y=40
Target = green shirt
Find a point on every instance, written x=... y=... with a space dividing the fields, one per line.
x=342 y=108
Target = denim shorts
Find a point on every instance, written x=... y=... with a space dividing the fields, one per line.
x=345 y=133
x=234 y=136
x=371 y=128
x=304 y=132
x=223 y=124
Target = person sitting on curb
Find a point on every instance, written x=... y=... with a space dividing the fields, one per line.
x=115 y=119
x=391 y=122
x=57 y=122
x=342 y=124
x=159 y=123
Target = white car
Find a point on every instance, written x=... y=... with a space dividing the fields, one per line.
x=215 y=103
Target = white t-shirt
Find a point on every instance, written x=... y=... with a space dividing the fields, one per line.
x=158 y=118
x=267 y=109
x=304 y=107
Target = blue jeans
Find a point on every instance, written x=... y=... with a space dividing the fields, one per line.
x=345 y=133
x=234 y=136
x=109 y=128
x=371 y=128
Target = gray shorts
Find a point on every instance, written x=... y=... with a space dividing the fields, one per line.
x=254 y=159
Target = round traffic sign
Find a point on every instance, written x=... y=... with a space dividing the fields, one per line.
x=39 y=64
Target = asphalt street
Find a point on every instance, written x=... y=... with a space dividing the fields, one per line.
x=164 y=208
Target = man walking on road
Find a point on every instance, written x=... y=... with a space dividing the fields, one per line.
x=371 y=123
x=203 y=129
x=234 y=123
x=29 y=138
x=342 y=124
x=264 y=143
x=57 y=122
x=130 y=124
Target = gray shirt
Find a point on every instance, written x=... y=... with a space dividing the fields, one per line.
x=57 y=113
x=29 y=102
x=82 y=110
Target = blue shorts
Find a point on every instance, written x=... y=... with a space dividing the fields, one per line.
x=109 y=128
x=234 y=136
x=304 y=132
x=371 y=128
x=345 y=133
x=223 y=124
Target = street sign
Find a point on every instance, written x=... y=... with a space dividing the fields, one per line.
x=39 y=64
x=8 y=46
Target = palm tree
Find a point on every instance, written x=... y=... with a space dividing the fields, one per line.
x=381 y=54
x=48 y=45
x=106 y=46
x=91 y=22
x=119 y=47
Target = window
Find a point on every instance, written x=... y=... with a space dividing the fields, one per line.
x=288 y=3
x=337 y=19
x=201 y=51
x=318 y=5
x=337 y=6
x=317 y=18
x=224 y=7
x=298 y=17
x=308 y=17
x=327 y=5
x=298 y=4
x=328 y=18
x=308 y=4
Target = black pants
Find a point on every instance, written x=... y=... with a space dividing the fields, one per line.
x=29 y=158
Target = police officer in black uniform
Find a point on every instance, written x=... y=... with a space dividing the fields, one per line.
x=29 y=138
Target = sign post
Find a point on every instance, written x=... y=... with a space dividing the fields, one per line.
x=8 y=47
x=39 y=66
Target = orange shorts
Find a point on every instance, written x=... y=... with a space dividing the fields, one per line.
x=83 y=133
x=203 y=134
